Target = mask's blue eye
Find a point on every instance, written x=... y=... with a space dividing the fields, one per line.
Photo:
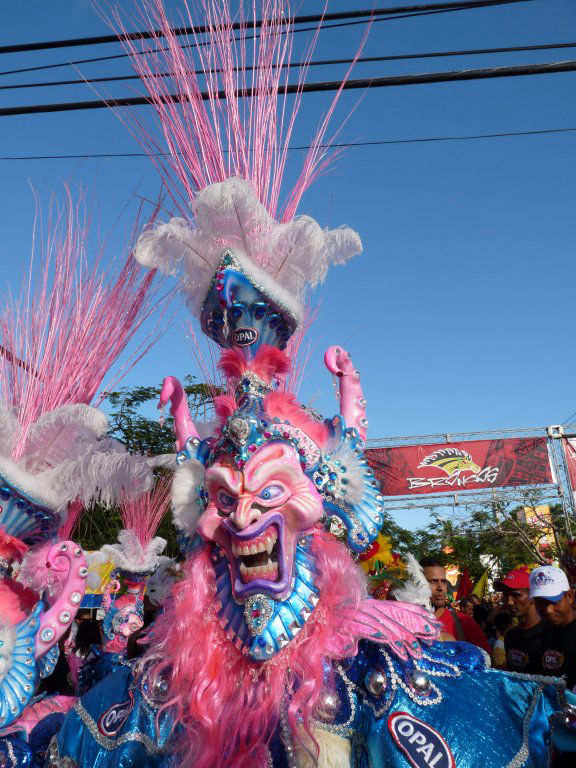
x=271 y=492
x=225 y=501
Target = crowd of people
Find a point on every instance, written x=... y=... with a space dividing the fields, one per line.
x=529 y=626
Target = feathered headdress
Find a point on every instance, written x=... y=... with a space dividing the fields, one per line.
x=57 y=343
x=244 y=258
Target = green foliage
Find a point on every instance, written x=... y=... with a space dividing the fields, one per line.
x=140 y=434
x=495 y=532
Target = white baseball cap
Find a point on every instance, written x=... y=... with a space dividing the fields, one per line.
x=548 y=582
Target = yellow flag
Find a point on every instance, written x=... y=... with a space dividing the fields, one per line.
x=481 y=586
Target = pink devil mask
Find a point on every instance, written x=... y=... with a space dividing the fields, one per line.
x=256 y=516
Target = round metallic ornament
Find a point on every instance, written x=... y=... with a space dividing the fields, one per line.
x=376 y=683
x=328 y=705
x=419 y=682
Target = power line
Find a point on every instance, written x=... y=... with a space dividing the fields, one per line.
x=457 y=7
x=299 y=64
x=350 y=145
x=253 y=23
x=364 y=83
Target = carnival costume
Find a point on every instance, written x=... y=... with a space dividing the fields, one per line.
x=137 y=557
x=270 y=652
x=55 y=458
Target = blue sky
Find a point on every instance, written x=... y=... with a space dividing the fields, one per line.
x=459 y=314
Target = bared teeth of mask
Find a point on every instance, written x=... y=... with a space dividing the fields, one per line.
x=269 y=547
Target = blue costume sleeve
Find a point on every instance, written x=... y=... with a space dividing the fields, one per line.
x=114 y=725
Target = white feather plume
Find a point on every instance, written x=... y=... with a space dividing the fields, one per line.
x=130 y=555
x=415 y=589
x=103 y=471
x=284 y=258
x=186 y=506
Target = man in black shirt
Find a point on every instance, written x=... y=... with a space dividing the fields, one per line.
x=523 y=643
x=554 y=601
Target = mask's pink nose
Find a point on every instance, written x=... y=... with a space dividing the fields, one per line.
x=244 y=514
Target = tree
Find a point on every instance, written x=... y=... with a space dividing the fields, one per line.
x=140 y=434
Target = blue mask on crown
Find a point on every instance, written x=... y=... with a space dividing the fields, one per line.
x=238 y=312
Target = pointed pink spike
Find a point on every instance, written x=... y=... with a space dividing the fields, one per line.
x=352 y=402
x=184 y=427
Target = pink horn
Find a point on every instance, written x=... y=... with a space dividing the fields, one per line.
x=184 y=427
x=352 y=402
x=55 y=621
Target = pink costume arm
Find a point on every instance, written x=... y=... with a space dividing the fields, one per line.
x=183 y=425
x=352 y=402
x=55 y=621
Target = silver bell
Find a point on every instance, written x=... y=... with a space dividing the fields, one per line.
x=328 y=705
x=376 y=683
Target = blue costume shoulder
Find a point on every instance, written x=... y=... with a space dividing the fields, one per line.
x=447 y=708
x=117 y=724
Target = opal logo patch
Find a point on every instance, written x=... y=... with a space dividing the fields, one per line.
x=243 y=337
x=114 y=718
x=517 y=658
x=422 y=745
x=552 y=659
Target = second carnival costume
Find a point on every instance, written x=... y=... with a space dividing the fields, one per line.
x=270 y=652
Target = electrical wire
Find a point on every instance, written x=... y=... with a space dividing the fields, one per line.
x=319 y=87
x=256 y=37
x=254 y=23
x=350 y=145
x=299 y=64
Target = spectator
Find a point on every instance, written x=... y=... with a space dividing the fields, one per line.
x=461 y=626
x=467 y=606
x=554 y=601
x=523 y=643
x=503 y=623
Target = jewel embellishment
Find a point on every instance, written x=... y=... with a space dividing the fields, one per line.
x=238 y=430
x=257 y=612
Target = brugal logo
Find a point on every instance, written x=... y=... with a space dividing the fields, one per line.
x=114 y=718
x=422 y=745
x=243 y=337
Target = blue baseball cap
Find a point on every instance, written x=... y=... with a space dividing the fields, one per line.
x=548 y=582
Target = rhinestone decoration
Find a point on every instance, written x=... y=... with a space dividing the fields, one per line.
x=257 y=612
x=47 y=634
x=238 y=430
x=75 y=598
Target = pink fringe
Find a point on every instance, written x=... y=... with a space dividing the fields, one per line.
x=268 y=363
x=228 y=706
x=284 y=406
x=243 y=126
x=144 y=514
x=73 y=320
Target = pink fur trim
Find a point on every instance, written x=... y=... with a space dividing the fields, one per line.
x=267 y=363
x=16 y=601
x=227 y=705
x=224 y=407
x=285 y=407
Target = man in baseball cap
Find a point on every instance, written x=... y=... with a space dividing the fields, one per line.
x=554 y=601
x=523 y=643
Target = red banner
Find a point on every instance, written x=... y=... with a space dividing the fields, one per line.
x=466 y=466
x=570 y=454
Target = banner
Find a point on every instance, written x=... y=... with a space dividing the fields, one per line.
x=570 y=454
x=466 y=466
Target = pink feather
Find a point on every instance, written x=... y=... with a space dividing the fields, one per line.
x=267 y=363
